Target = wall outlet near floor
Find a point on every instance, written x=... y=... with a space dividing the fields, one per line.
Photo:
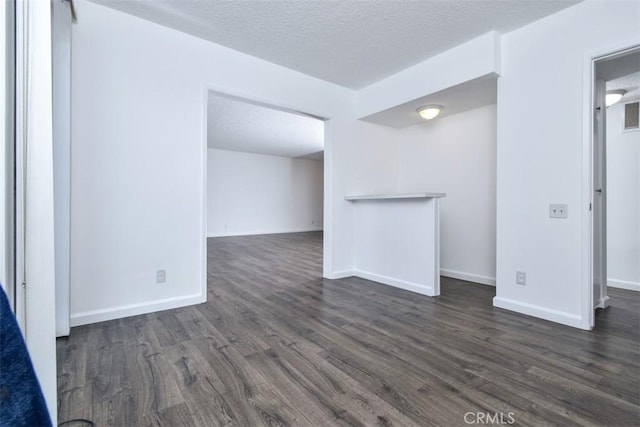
x=521 y=278
x=558 y=211
x=161 y=276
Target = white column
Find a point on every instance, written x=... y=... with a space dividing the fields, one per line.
x=34 y=171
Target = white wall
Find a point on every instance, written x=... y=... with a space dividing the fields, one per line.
x=540 y=156
x=365 y=161
x=260 y=194
x=456 y=155
x=623 y=202
x=138 y=150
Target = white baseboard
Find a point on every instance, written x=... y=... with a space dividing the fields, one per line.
x=402 y=284
x=469 y=277
x=256 y=233
x=93 y=316
x=540 y=312
x=624 y=284
x=603 y=302
x=341 y=274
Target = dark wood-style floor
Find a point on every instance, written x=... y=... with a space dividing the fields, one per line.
x=277 y=345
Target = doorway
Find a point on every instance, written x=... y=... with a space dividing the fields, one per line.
x=264 y=177
x=615 y=180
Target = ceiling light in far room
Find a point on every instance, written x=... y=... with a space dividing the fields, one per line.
x=429 y=112
x=613 y=96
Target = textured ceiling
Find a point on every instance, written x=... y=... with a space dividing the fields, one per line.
x=618 y=66
x=621 y=72
x=630 y=83
x=236 y=125
x=350 y=43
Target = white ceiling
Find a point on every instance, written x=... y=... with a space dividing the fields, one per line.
x=348 y=42
x=457 y=99
x=237 y=125
x=622 y=72
x=618 y=66
x=630 y=83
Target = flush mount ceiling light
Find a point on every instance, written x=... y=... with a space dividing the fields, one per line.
x=429 y=111
x=614 y=96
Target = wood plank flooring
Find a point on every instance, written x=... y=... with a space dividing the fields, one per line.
x=276 y=345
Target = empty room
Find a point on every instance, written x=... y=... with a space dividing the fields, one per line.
x=319 y=213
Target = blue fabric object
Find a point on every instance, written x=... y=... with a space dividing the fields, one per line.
x=21 y=401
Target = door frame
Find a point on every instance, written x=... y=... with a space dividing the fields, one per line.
x=588 y=147
x=599 y=192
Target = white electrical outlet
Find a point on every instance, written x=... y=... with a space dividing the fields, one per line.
x=558 y=211
x=521 y=278
x=161 y=276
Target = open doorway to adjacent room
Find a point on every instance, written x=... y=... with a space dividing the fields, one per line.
x=264 y=189
x=616 y=180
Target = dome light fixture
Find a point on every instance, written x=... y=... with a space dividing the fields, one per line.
x=429 y=112
x=613 y=96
